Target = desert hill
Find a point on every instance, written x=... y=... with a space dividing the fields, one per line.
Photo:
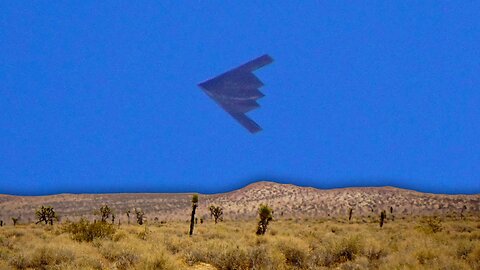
x=288 y=201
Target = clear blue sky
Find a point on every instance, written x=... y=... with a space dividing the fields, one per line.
x=103 y=97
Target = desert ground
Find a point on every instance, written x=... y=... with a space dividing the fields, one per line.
x=311 y=229
x=423 y=243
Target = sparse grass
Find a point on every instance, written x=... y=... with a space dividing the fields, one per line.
x=295 y=244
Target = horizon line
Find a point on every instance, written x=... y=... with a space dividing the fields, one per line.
x=235 y=189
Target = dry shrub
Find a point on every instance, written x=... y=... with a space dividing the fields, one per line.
x=461 y=228
x=261 y=240
x=83 y=230
x=426 y=256
x=348 y=248
x=175 y=244
x=42 y=258
x=295 y=253
x=4 y=265
x=13 y=233
x=374 y=251
x=87 y=262
x=231 y=258
x=124 y=257
x=474 y=236
x=431 y=225
x=336 y=251
x=18 y=261
x=4 y=254
x=260 y=258
x=335 y=229
x=194 y=256
x=359 y=264
x=474 y=257
x=159 y=262
x=464 y=248
x=6 y=242
x=219 y=254
x=118 y=236
x=47 y=256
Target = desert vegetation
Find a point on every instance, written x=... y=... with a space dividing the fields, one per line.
x=15 y=220
x=140 y=216
x=419 y=243
x=216 y=212
x=265 y=215
x=105 y=212
x=46 y=214
x=194 y=209
x=255 y=237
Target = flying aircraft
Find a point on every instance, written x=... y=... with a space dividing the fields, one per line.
x=236 y=91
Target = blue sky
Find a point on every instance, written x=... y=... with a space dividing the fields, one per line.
x=103 y=97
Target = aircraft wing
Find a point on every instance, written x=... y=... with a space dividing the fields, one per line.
x=236 y=91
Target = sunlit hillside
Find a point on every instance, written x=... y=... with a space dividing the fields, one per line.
x=288 y=201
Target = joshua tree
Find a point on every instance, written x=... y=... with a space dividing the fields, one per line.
x=46 y=214
x=140 y=214
x=128 y=215
x=350 y=212
x=461 y=212
x=265 y=215
x=113 y=218
x=194 y=208
x=1 y=223
x=216 y=212
x=383 y=215
x=15 y=220
x=104 y=213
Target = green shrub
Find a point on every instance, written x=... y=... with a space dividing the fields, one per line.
x=83 y=230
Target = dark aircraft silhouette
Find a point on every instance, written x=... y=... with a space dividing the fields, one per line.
x=236 y=91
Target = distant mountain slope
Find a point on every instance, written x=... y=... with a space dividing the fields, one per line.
x=287 y=201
